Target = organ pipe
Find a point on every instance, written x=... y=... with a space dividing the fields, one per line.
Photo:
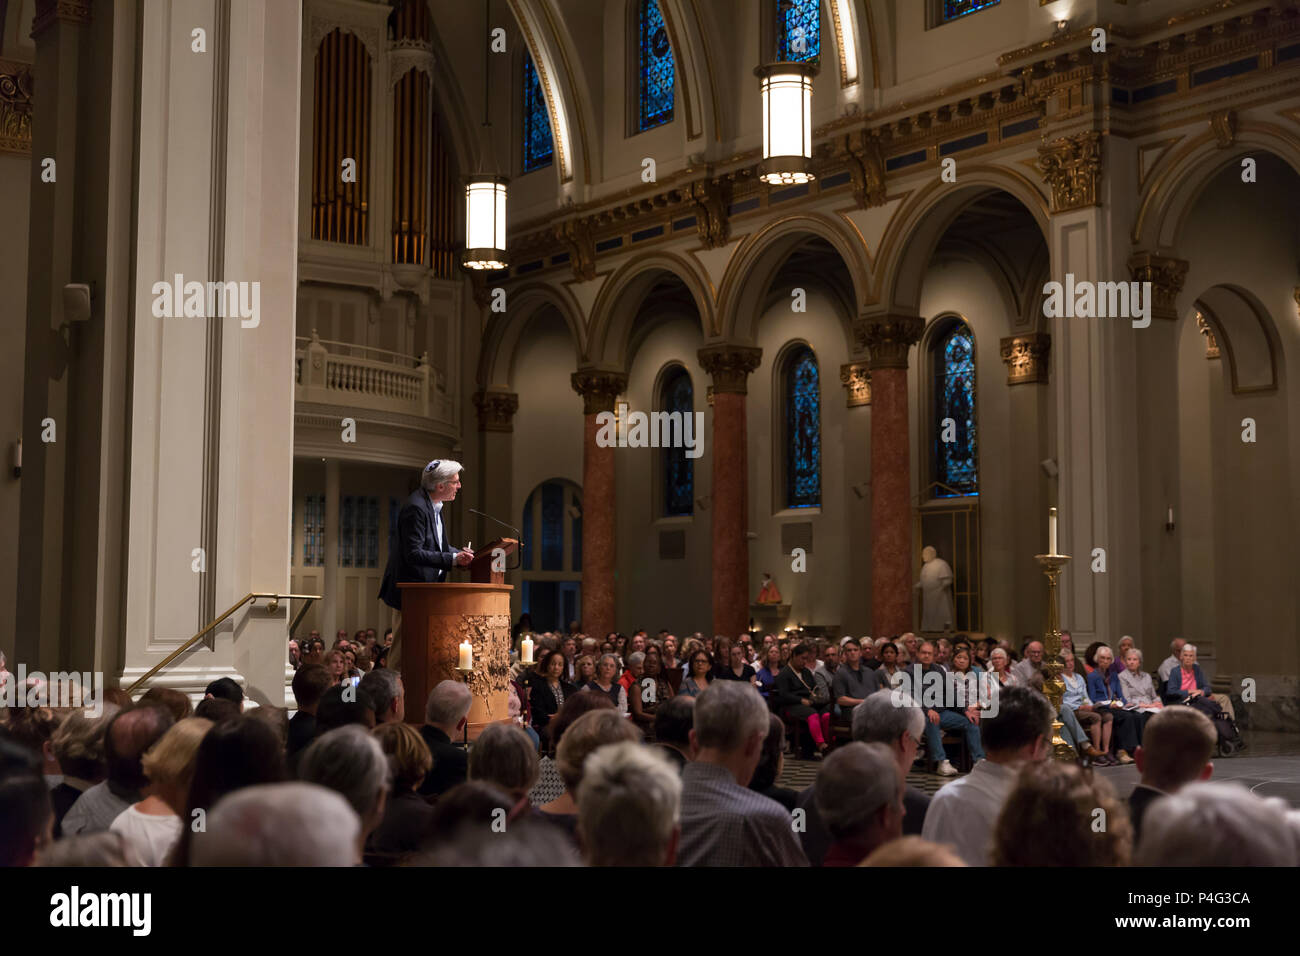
x=341 y=130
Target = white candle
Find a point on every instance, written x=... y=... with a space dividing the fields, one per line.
x=1051 y=531
x=526 y=649
x=466 y=655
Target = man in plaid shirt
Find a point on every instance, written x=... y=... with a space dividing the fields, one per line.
x=723 y=822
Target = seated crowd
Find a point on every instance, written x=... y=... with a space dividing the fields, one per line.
x=642 y=752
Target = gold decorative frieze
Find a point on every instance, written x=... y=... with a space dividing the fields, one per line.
x=1071 y=167
x=575 y=235
x=730 y=366
x=887 y=338
x=496 y=410
x=1224 y=126
x=867 y=167
x=15 y=107
x=49 y=12
x=1211 y=343
x=856 y=379
x=710 y=199
x=1166 y=276
x=1026 y=358
x=599 y=388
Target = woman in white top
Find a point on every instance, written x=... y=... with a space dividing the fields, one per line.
x=152 y=826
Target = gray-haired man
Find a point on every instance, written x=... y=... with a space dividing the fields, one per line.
x=419 y=548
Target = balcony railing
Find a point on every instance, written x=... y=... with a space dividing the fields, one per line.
x=357 y=376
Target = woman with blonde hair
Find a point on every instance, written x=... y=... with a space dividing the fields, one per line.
x=407 y=815
x=152 y=826
x=1049 y=820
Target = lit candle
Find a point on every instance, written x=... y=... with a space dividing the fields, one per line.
x=1051 y=531
x=466 y=656
x=526 y=649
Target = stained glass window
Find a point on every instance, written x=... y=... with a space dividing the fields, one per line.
x=656 y=69
x=313 y=531
x=538 y=146
x=552 y=526
x=358 y=531
x=955 y=460
x=952 y=9
x=526 y=546
x=803 y=442
x=798 y=30
x=679 y=471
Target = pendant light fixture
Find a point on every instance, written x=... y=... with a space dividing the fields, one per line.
x=485 y=194
x=786 y=90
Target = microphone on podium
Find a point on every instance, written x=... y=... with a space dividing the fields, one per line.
x=518 y=534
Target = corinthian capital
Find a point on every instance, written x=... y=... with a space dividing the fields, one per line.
x=1071 y=167
x=599 y=388
x=887 y=338
x=730 y=366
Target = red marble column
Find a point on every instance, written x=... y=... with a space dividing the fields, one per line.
x=599 y=389
x=730 y=365
x=888 y=339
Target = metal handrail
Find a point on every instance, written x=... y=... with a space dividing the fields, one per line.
x=273 y=605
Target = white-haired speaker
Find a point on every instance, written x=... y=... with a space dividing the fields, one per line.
x=1049 y=467
x=76 y=302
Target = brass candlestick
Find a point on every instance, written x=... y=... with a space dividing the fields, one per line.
x=1053 y=686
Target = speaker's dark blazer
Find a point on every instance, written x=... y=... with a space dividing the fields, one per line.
x=414 y=552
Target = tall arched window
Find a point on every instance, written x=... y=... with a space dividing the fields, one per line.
x=955 y=445
x=798 y=30
x=538 y=145
x=955 y=9
x=677 y=398
x=803 y=429
x=655 y=67
x=551 y=563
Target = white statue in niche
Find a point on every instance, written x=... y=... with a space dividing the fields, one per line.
x=936 y=592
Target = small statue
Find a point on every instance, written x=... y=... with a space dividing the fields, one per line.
x=768 y=594
x=936 y=592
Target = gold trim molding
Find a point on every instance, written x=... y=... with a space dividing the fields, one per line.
x=856 y=379
x=730 y=365
x=1071 y=167
x=496 y=410
x=1166 y=276
x=15 y=107
x=1026 y=357
x=1223 y=124
x=888 y=338
x=599 y=388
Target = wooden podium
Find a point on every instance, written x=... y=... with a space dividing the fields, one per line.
x=437 y=618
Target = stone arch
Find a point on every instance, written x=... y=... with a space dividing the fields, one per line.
x=1246 y=336
x=915 y=230
x=496 y=364
x=762 y=254
x=695 y=70
x=1180 y=177
x=620 y=300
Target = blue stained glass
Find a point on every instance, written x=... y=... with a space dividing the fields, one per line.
x=552 y=526
x=538 y=146
x=798 y=30
x=526 y=546
x=577 y=542
x=952 y=9
x=656 y=65
x=803 y=470
x=679 y=471
x=955 y=461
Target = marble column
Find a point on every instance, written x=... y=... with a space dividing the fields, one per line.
x=496 y=413
x=730 y=365
x=888 y=338
x=599 y=389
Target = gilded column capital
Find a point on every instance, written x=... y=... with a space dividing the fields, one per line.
x=710 y=198
x=730 y=366
x=887 y=338
x=599 y=388
x=1211 y=343
x=496 y=410
x=577 y=238
x=1071 y=167
x=1026 y=358
x=1166 y=276
x=856 y=379
x=49 y=12
x=15 y=107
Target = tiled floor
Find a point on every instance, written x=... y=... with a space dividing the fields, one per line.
x=1270 y=766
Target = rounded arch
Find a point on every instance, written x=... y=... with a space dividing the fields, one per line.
x=797 y=426
x=1180 y=177
x=915 y=230
x=1246 y=336
x=693 y=58
x=761 y=255
x=505 y=329
x=950 y=390
x=619 y=302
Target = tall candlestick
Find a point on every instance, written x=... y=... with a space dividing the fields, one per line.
x=1051 y=531
x=466 y=656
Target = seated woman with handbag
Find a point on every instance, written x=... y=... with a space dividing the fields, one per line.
x=796 y=696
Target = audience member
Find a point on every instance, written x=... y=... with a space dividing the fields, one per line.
x=407 y=816
x=853 y=682
x=1175 y=751
x=1030 y=670
x=890 y=673
x=913 y=851
x=765 y=676
x=629 y=807
x=79 y=749
x=445 y=715
x=126 y=738
x=225 y=688
x=584 y=736
x=673 y=723
x=1172 y=661
x=606 y=682
x=103 y=849
x=724 y=823
x=699 y=674
x=1081 y=724
x=797 y=698
x=1216 y=825
x=1186 y=681
x=859 y=795
x=170 y=700
x=548 y=694
x=1050 y=819
x=504 y=757
x=280 y=824
x=26 y=815
x=310 y=683
x=770 y=765
x=964 y=811
x=342 y=705
x=387 y=694
x=349 y=761
x=217 y=710
x=1107 y=696
x=152 y=826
